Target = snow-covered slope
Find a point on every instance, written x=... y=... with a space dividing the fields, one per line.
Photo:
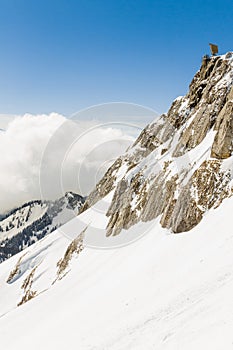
x=27 y=224
x=162 y=291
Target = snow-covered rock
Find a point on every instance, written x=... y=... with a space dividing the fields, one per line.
x=180 y=166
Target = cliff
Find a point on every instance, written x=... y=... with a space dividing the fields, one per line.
x=180 y=165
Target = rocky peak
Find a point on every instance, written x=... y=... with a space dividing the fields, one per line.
x=180 y=165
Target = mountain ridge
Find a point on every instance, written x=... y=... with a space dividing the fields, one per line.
x=25 y=225
x=162 y=175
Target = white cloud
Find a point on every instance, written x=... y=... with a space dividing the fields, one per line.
x=5 y=119
x=50 y=155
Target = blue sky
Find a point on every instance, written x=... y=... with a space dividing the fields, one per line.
x=65 y=55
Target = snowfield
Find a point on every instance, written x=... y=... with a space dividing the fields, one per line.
x=163 y=291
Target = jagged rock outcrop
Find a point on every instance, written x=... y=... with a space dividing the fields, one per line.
x=207 y=187
x=222 y=146
x=207 y=97
x=179 y=166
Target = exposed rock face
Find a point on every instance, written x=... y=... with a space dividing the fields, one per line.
x=180 y=166
x=206 y=189
x=222 y=146
x=207 y=97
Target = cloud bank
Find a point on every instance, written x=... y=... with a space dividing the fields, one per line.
x=47 y=155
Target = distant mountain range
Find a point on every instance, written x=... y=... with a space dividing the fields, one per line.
x=23 y=226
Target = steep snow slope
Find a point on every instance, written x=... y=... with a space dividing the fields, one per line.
x=161 y=292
